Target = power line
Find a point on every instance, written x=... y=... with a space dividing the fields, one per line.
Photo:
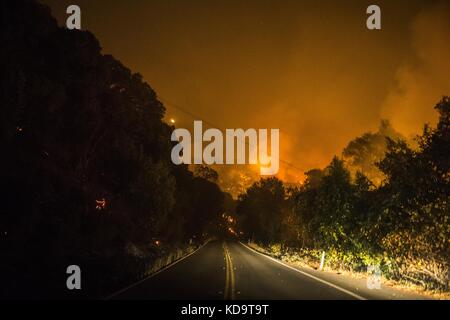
x=197 y=117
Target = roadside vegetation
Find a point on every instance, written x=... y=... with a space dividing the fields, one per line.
x=401 y=223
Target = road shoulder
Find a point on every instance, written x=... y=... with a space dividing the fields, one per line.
x=357 y=287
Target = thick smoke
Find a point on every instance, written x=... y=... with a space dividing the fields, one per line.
x=422 y=81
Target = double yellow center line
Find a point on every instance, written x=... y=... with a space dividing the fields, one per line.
x=229 y=292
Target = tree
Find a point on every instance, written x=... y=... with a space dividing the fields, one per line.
x=334 y=205
x=85 y=166
x=261 y=210
x=362 y=153
x=206 y=172
x=415 y=216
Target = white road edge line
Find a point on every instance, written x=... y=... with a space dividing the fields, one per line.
x=154 y=274
x=307 y=274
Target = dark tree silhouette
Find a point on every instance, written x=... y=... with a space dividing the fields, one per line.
x=85 y=166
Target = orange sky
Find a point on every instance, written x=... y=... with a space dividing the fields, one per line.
x=312 y=70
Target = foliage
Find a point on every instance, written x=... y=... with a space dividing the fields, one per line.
x=403 y=225
x=362 y=153
x=261 y=209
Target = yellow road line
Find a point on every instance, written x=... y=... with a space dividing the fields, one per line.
x=227 y=277
x=233 y=282
x=230 y=282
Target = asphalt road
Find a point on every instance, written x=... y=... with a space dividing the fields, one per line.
x=231 y=270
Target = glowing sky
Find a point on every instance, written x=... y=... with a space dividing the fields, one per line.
x=309 y=68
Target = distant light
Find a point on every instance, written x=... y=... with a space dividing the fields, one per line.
x=172 y=120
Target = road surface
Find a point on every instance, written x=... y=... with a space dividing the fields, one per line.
x=231 y=270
